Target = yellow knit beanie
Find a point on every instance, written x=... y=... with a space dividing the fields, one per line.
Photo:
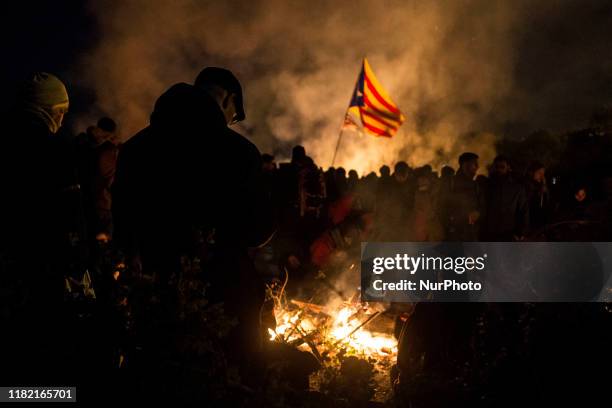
x=43 y=94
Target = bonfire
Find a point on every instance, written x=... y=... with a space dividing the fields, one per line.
x=335 y=330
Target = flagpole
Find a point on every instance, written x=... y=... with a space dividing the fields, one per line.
x=342 y=127
x=337 y=146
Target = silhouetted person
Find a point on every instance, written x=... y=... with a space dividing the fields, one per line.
x=366 y=192
x=384 y=171
x=447 y=172
x=170 y=199
x=462 y=204
x=353 y=179
x=298 y=154
x=538 y=195
x=425 y=223
x=428 y=170
x=396 y=203
x=268 y=163
x=330 y=184
x=341 y=182
x=40 y=231
x=302 y=189
x=446 y=175
x=288 y=181
x=97 y=158
x=507 y=209
x=383 y=186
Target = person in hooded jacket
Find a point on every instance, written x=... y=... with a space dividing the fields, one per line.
x=189 y=180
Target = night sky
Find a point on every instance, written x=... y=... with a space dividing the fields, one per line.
x=47 y=36
x=558 y=57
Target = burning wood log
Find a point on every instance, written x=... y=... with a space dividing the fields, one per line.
x=311 y=306
x=312 y=346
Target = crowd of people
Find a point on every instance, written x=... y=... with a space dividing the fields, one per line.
x=189 y=193
x=320 y=211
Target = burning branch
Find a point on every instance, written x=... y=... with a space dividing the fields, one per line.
x=348 y=336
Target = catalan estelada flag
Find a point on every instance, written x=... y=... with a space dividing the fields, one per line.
x=371 y=109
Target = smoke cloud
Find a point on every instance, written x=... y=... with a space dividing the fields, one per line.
x=461 y=71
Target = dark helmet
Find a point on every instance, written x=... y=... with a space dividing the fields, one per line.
x=226 y=80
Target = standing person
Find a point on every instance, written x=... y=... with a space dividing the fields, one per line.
x=446 y=177
x=242 y=213
x=169 y=188
x=426 y=226
x=538 y=195
x=288 y=182
x=385 y=172
x=507 y=209
x=97 y=151
x=396 y=203
x=383 y=183
x=462 y=204
x=303 y=190
x=268 y=163
x=366 y=192
x=353 y=180
x=39 y=234
x=342 y=185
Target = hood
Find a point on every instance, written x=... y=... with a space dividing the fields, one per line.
x=185 y=107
